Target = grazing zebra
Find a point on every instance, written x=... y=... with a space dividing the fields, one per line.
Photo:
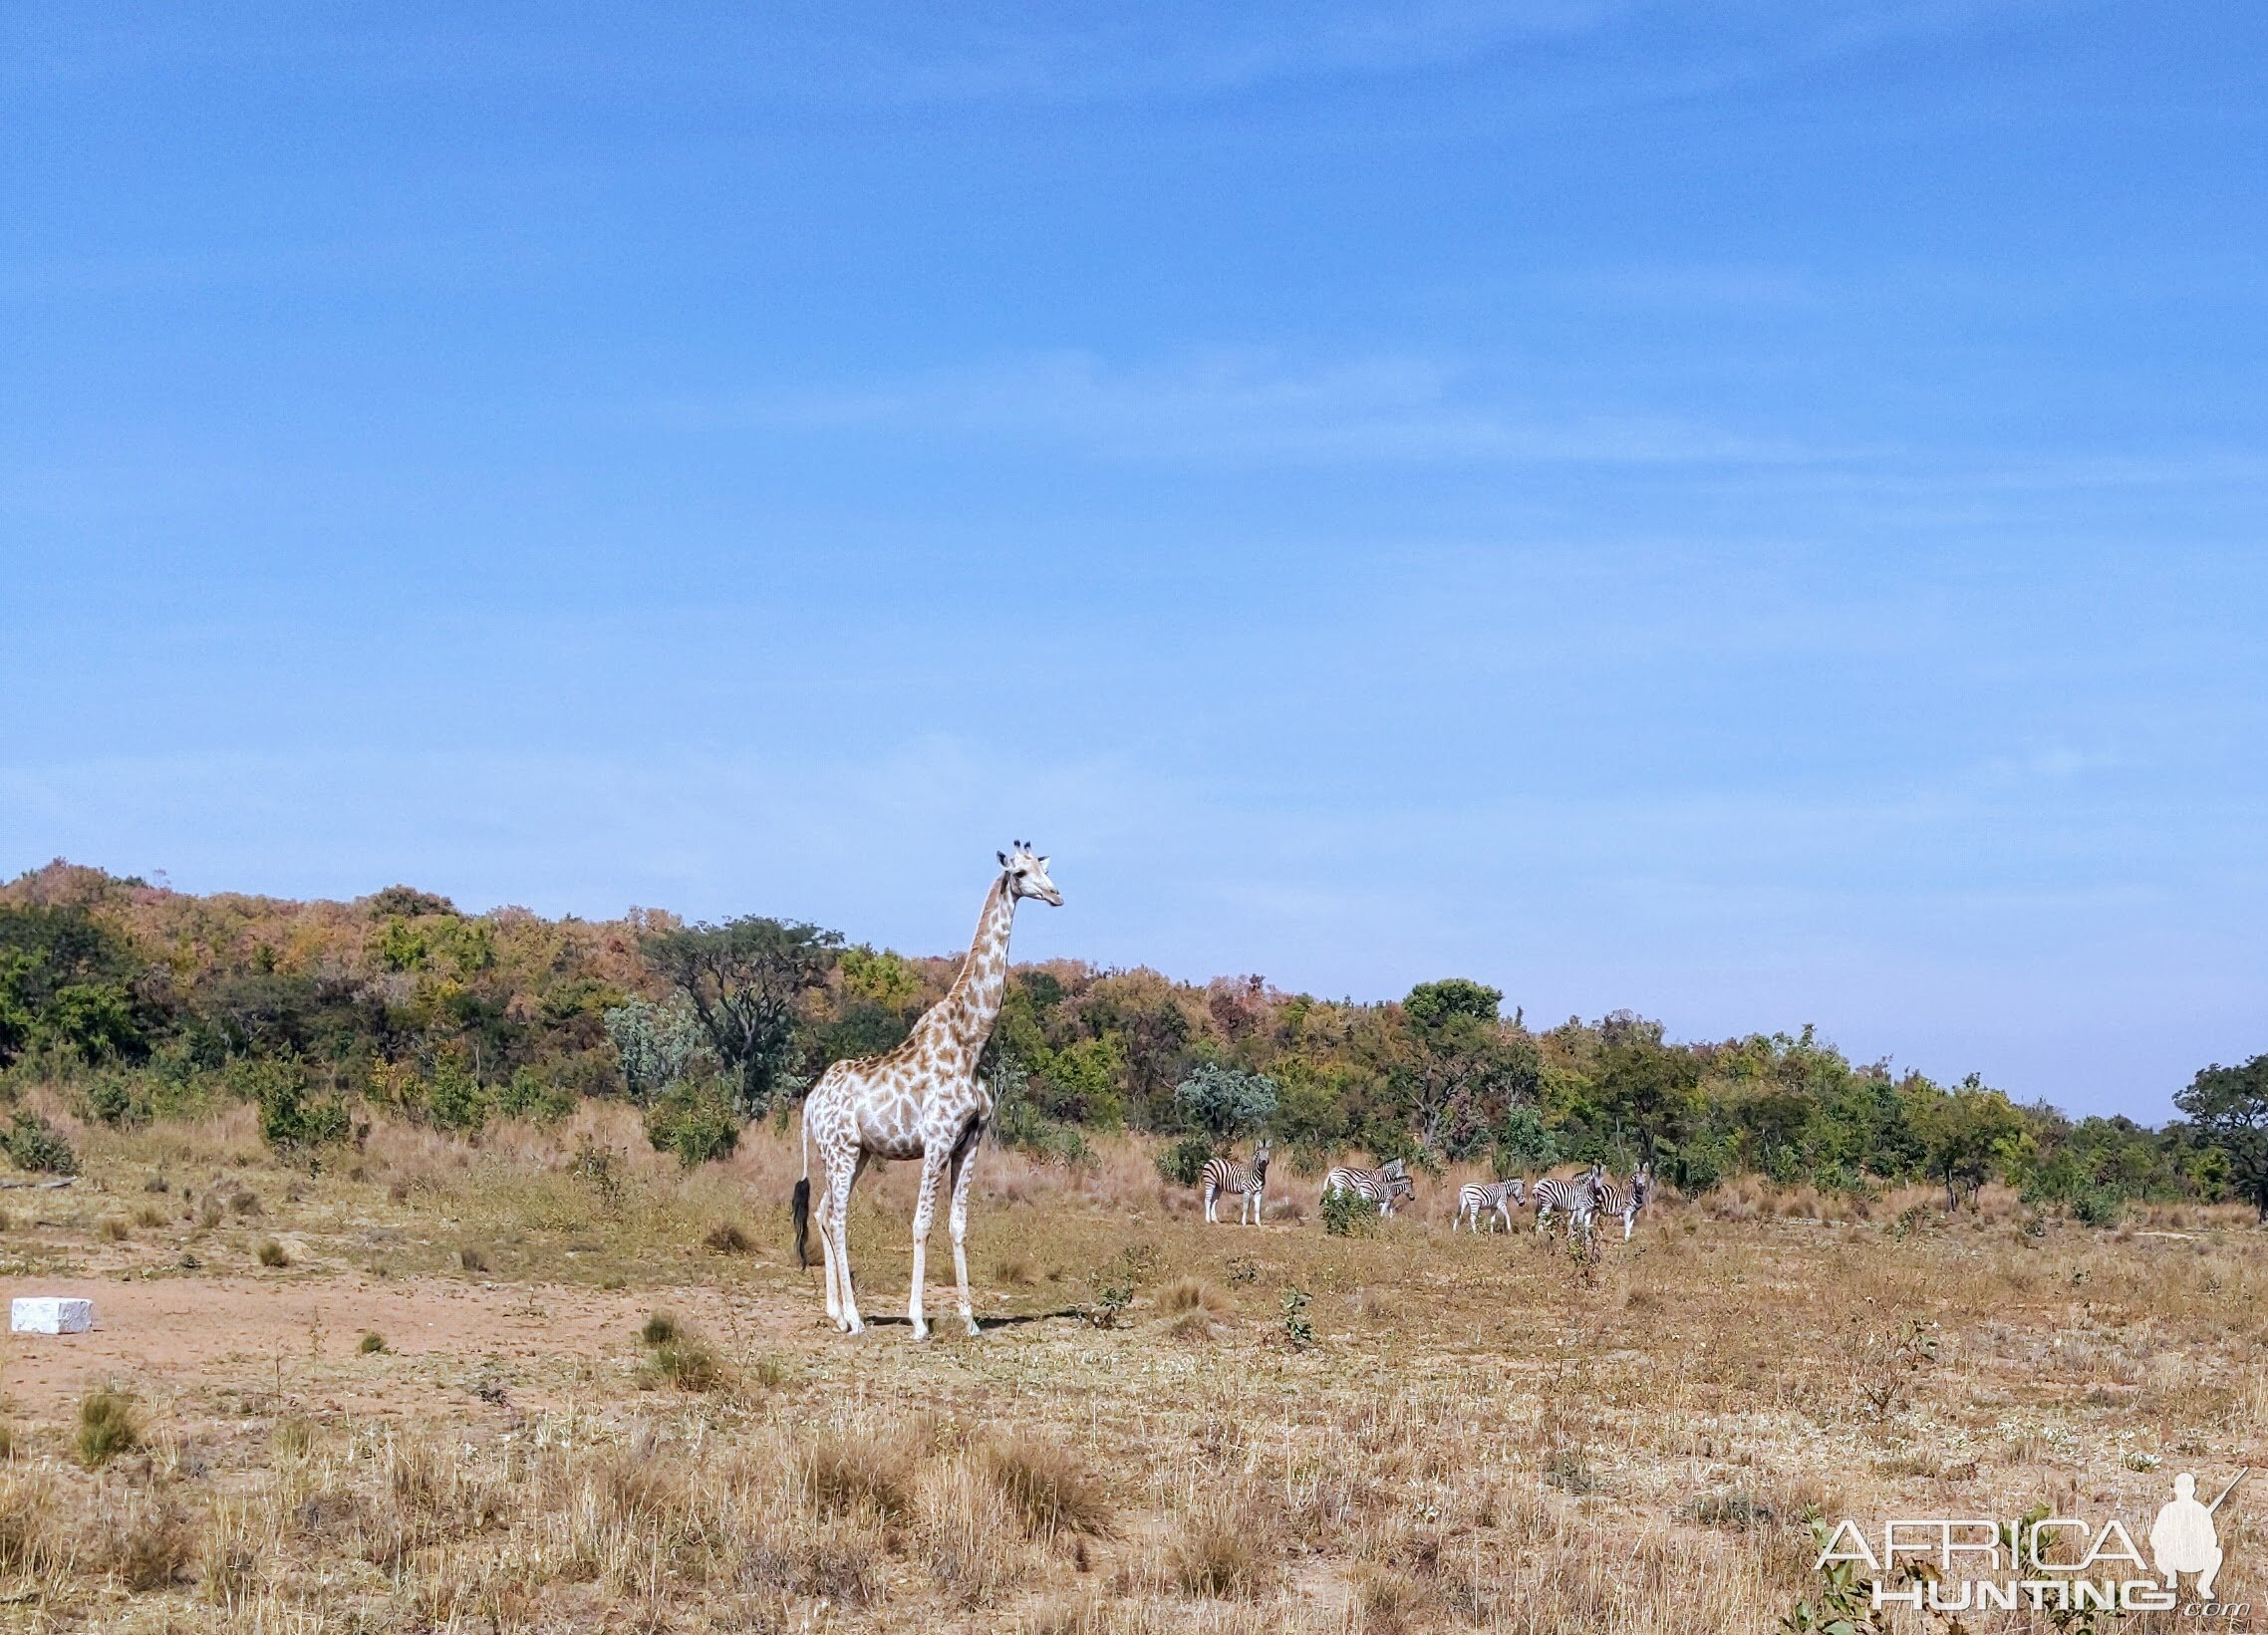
x=1498 y=1196
x=1226 y=1175
x=1611 y=1200
x=1381 y=1186
x=1575 y=1198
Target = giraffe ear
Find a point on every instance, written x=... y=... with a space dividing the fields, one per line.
x=1043 y=863
x=1004 y=856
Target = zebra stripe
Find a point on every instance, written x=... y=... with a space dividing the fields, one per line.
x=1226 y=1175
x=1380 y=1187
x=1577 y=1199
x=1612 y=1198
x=1475 y=1199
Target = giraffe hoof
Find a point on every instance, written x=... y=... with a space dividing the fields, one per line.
x=975 y=1332
x=920 y=1331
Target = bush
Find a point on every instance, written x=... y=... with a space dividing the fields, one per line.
x=696 y=1121
x=117 y=1101
x=1047 y=1484
x=292 y=1122
x=455 y=1100
x=1348 y=1212
x=531 y=1095
x=273 y=1253
x=1183 y=1162
x=2098 y=1206
x=36 y=1145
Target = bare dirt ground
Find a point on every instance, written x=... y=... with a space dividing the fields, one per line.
x=1406 y=1431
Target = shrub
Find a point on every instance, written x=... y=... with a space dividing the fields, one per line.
x=293 y=1122
x=108 y=1427
x=1184 y=1162
x=2098 y=1206
x=1348 y=1212
x=696 y=1121
x=117 y=1101
x=660 y=1330
x=372 y=1343
x=36 y=1145
x=455 y=1100
x=273 y=1253
x=531 y=1095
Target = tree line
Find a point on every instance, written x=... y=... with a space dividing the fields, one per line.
x=141 y=1001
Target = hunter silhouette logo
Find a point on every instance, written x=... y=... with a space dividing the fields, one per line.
x=2056 y=1563
x=2183 y=1537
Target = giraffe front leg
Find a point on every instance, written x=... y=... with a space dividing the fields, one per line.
x=838 y=1221
x=964 y=1167
x=933 y=1171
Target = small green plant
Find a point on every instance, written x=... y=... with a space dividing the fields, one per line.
x=273 y=1253
x=1348 y=1212
x=36 y=1145
x=1842 y=1606
x=675 y=1356
x=1110 y=1292
x=2098 y=1206
x=108 y=1427
x=372 y=1343
x=1298 y=1331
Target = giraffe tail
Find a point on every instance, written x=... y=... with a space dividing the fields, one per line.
x=800 y=1201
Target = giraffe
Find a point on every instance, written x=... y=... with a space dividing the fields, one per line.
x=922 y=1100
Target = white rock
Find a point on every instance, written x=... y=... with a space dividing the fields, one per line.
x=50 y=1314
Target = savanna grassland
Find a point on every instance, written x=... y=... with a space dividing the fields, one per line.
x=549 y=1379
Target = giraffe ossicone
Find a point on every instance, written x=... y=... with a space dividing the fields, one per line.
x=922 y=1100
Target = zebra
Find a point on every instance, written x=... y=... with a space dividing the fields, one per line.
x=1611 y=1200
x=1381 y=1186
x=1474 y=1199
x=1226 y=1175
x=1578 y=1199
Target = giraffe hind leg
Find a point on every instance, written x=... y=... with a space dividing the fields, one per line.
x=964 y=1164
x=840 y=1182
x=934 y=1161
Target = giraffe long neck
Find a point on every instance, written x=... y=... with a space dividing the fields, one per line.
x=967 y=1012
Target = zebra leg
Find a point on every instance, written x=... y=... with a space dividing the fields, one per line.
x=1211 y=1197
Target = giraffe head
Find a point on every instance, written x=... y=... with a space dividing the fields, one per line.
x=1027 y=875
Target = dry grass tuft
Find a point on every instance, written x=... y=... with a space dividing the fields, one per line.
x=727 y=1238
x=843 y=1471
x=108 y=1427
x=372 y=1343
x=272 y=1253
x=473 y=1257
x=1216 y=1552
x=114 y=1229
x=1196 y=1294
x=1050 y=1488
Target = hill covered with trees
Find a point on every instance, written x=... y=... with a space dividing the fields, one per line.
x=138 y=1002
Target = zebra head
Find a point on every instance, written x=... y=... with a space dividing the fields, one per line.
x=1595 y=1182
x=1260 y=1162
x=1643 y=1184
x=1399 y=1185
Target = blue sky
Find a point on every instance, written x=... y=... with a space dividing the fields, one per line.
x=1751 y=512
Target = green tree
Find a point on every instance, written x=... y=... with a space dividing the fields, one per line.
x=1226 y=1101
x=1966 y=1135
x=654 y=1044
x=2228 y=1107
x=747 y=981
x=1461 y=1070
